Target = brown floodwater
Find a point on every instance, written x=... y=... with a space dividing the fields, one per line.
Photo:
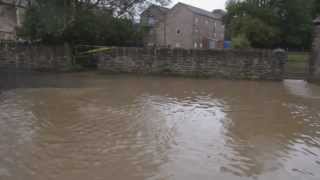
x=82 y=126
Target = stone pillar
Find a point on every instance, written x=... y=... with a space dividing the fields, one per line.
x=280 y=58
x=314 y=67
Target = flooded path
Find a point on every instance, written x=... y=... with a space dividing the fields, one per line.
x=84 y=126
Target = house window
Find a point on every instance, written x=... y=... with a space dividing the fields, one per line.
x=178 y=31
x=151 y=21
x=195 y=45
x=212 y=44
x=196 y=20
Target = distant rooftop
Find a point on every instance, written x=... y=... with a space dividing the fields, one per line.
x=216 y=14
x=200 y=11
x=163 y=9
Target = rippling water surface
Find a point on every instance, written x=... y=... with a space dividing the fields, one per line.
x=89 y=126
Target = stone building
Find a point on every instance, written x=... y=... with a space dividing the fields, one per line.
x=183 y=26
x=11 y=16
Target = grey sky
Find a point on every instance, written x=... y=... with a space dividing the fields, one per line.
x=204 y=4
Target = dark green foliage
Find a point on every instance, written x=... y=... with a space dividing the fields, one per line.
x=43 y=21
x=101 y=28
x=59 y=21
x=272 y=23
x=240 y=42
x=316 y=10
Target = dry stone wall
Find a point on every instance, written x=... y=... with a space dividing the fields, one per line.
x=34 y=57
x=229 y=64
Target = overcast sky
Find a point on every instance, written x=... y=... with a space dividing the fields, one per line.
x=204 y=4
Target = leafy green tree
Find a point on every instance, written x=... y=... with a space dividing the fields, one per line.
x=254 y=19
x=295 y=23
x=259 y=33
x=316 y=10
x=105 y=22
x=240 y=42
x=272 y=23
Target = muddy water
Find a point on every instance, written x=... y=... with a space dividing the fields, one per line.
x=89 y=126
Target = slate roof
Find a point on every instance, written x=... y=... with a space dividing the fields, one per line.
x=199 y=11
x=163 y=9
x=195 y=10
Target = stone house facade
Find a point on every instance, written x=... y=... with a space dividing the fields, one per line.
x=183 y=26
x=11 y=17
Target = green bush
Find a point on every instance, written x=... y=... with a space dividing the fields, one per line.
x=240 y=42
x=51 y=22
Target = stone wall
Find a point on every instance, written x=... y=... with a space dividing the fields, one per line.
x=315 y=57
x=230 y=64
x=34 y=57
x=8 y=22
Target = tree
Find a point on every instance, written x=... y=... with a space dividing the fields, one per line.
x=255 y=19
x=240 y=42
x=295 y=23
x=272 y=23
x=316 y=10
x=83 y=21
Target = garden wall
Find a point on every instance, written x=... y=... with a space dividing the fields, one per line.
x=229 y=64
x=34 y=57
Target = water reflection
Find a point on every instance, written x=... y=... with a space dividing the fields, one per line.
x=90 y=126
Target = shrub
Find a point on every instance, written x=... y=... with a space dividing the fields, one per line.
x=240 y=42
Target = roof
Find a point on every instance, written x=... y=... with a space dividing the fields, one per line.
x=219 y=12
x=199 y=11
x=163 y=9
x=160 y=8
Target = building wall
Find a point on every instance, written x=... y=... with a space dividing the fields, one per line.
x=230 y=64
x=12 y=14
x=156 y=33
x=182 y=28
x=8 y=22
x=154 y=12
x=179 y=28
x=207 y=31
x=160 y=34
